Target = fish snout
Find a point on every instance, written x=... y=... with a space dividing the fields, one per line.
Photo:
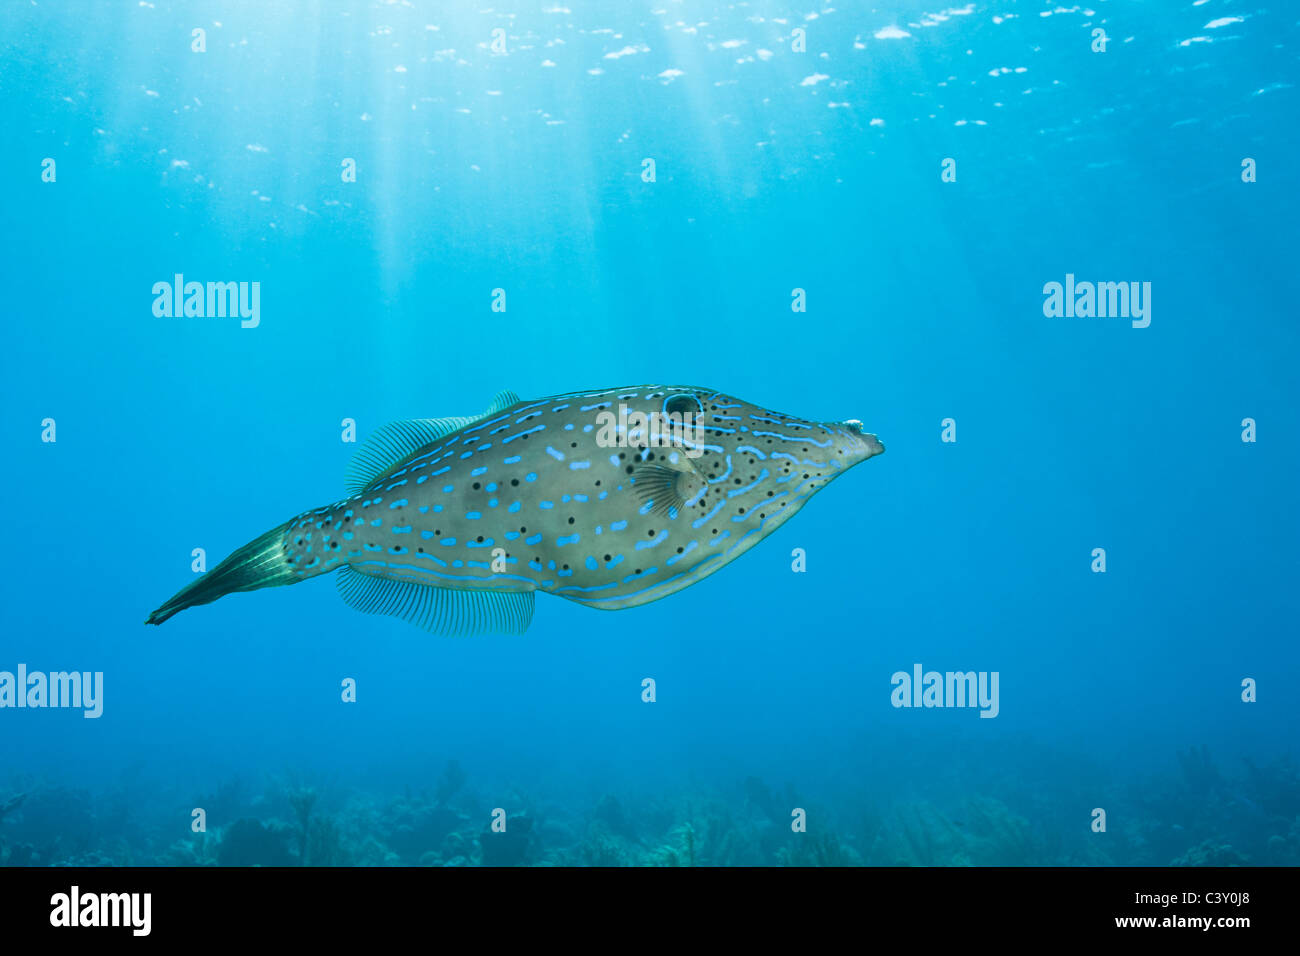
x=862 y=444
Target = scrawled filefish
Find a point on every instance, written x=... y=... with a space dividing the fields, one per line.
x=610 y=498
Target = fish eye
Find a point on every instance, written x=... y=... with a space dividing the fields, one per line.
x=682 y=403
x=854 y=426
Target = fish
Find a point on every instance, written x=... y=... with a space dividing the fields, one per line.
x=611 y=498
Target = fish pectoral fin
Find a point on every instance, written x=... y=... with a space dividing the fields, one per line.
x=390 y=446
x=450 y=612
x=667 y=487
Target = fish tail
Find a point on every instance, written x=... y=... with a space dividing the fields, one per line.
x=262 y=563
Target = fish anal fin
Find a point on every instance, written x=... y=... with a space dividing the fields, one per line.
x=451 y=612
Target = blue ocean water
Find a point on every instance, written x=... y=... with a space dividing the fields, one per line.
x=912 y=177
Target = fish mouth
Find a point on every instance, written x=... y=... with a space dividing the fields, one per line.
x=871 y=445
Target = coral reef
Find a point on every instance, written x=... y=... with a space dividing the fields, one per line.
x=1194 y=812
x=249 y=842
x=1210 y=853
x=514 y=846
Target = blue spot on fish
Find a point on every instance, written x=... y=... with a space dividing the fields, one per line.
x=658 y=539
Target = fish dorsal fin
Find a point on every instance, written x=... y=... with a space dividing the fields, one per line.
x=392 y=444
x=450 y=612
